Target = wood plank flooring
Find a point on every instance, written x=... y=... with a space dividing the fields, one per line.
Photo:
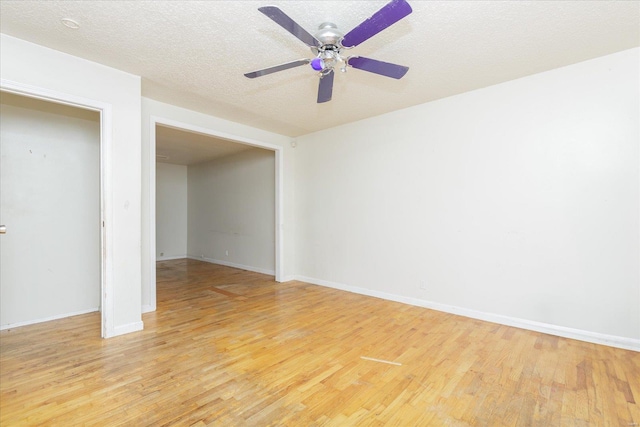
x=233 y=348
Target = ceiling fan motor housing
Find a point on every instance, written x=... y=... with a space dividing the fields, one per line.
x=328 y=34
x=328 y=54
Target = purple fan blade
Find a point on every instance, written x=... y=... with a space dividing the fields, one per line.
x=277 y=68
x=280 y=18
x=325 y=88
x=378 y=67
x=387 y=16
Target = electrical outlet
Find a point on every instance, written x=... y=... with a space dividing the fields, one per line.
x=423 y=285
x=161 y=253
x=226 y=253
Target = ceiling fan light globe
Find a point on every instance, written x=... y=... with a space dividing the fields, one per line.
x=317 y=64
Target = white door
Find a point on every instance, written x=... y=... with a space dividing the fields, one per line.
x=50 y=204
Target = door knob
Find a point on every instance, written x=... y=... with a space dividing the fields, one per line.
x=3 y=229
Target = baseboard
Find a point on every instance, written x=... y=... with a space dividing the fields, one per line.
x=231 y=264
x=287 y=279
x=47 y=319
x=169 y=258
x=148 y=308
x=547 y=328
x=125 y=329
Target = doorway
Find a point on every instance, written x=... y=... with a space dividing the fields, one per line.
x=215 y=201
x=50 y=202
x=237 y=144
x=106 y=305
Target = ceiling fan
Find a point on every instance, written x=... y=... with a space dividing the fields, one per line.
x=328 y=43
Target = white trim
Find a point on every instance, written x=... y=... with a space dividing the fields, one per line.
x=128 y=328
x=47 y=319
x=234 y=265
x=547 y=328
x=279 y=194
x=279 y=206
x=147 y=309
x=212 y=132
x=106 y=167
x=170 y=258
x=151 y=285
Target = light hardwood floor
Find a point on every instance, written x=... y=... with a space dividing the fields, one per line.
x=233 y=348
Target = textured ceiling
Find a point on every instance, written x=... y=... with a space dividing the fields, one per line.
x=194 y=53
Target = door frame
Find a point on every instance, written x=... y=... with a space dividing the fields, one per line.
x=106 y=168
x=279 y=192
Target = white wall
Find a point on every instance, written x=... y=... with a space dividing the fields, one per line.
x=517 y=200
x=171 y=211
x=29 y=64
x=50 y=201
x=232 y=210
x=154 y=110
